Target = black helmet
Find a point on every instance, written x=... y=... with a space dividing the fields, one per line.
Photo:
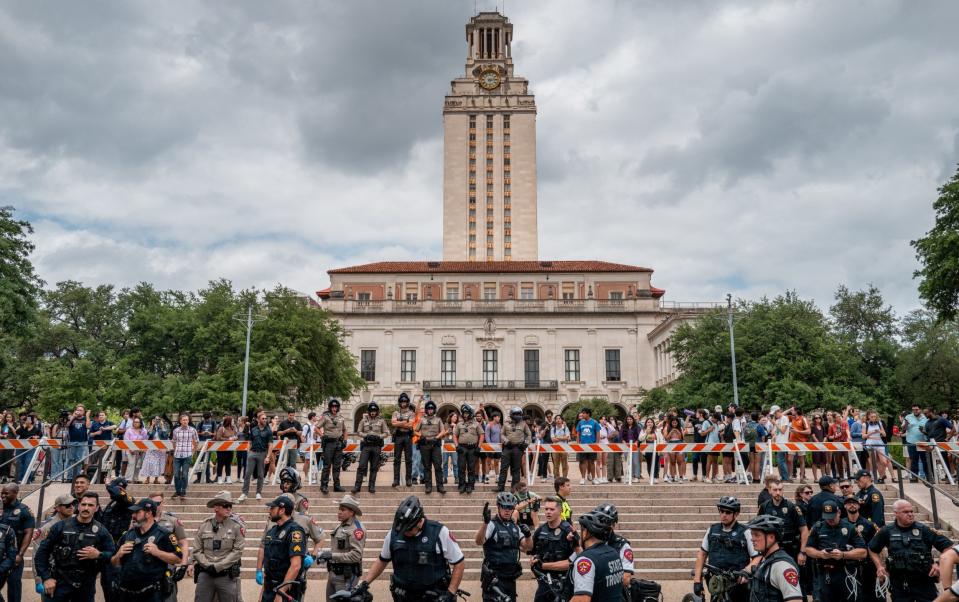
x=466 y=410
x=373 y=407
x=728 y=502
x=408 y=514
x=430 y=405
x=596 y=523
x=767 y=524
x=516 y=414
x=505 y=499
x=334 y=403
x=403 y=398
x=609 y=510
x=290 y=475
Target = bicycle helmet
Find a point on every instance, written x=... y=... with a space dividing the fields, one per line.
x=334 y=403
x=408 y=514
x=403 y=398
x=430 y=405
x=505 y=499
x=466 y=410
x=728 y=502
x=596 y=523
x=373 y=407
x=609 y=510
x=289 y=475
x=516 y=414
x=767 y=524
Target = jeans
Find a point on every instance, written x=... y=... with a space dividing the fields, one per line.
x=638 y=466
x=783 y=469
x=23 y=462
x=915 y=457
x=447 y=458
x=181 y=474
x=75 y=453
x=417 y=463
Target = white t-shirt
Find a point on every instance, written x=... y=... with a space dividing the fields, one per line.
x=738 y=428
x=445 y=544
x=308 y=437
x=784 y=577
x=782 y=437
x=626 y=557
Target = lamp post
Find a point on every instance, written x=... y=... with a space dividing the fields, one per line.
x=250 y=319
x=732 y=346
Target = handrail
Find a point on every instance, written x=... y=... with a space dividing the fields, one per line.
x=57 y=476
x=933 y=490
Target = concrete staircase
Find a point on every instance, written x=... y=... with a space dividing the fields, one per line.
x=664 y=522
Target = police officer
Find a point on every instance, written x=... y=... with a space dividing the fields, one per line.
x=62 y=510
x=334 y=438
x=502 y=539
x=554 y=542
x=467 y=436
x=116 y=518
x=776 y=577
x=795 y=531
x=527 y=505
x=725 y=546
x=871 y=503
x=344 y=560
x=144 y=554
x=516 y=436
x=827 y=494
x=70 y=556
x=218 y=551
x=281 y=555
x=619 y=543
x=867 y=530
x=290 y=483
x=80 y=485
x=909 y=565
x=836 y=547
x=373 y=432
x=19 y=518
x=597 y=571
x=8 y=553
x=306 y=522
x=402 y=422
x=432 y=432
x=168 y=521
x=424 y=554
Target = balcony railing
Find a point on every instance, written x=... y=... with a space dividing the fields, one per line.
x=497 y=385
x=487 y=306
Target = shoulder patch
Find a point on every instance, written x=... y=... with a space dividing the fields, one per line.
x=628 y=554
x=453 y=537
x=172 y=538
x=297 y=536
x=875 y=497
x=359 y=534
x=791 y=576
x=584 y=565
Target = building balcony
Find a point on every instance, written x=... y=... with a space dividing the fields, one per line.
x=487 y=385
x=488 y=306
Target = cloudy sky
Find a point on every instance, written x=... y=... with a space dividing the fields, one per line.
x=748 y=147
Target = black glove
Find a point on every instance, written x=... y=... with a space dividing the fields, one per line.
x=325 y=556
x=361 y=588
x=487 y=516
x=446 y=596
x=698 y=589
x=574 y=539
x=524 y=529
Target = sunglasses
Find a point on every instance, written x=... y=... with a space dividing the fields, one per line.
x=845 y=486
x=807 y=492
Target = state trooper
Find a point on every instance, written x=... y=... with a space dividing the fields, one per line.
x=872 y=505
x=425 y=556
x=373 y=431
x=776 y=577
x=619 y=543
x=911 y=570
x=168 y=521
x=516 y=436
x=836 y=547
x=18 y=517
x=333 y=441
x=795 y=531
x=554 y=542
x=502 y=539
x=62 y=510
x=431 y=432
x=142 y=558
x=726 y=546
x=597 y=571
x=218 y=551
x=344 y=559
x=467 y=436
x=867 y=530
x=280 y=559
x=402 y=422
x=72 y=553
x=290 y=483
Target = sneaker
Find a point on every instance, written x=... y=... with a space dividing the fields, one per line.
x=229 y=480
x=259 y=497
x=242 y=498
x=582 y=481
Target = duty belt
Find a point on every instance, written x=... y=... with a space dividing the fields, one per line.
x=148 y=588
x=469 y=445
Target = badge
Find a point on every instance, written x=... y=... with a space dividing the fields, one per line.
x=557 y=531
x=282 y=534
x=95 y=528
x=359 y=534
x=785 y=510
x=172 y=538
x=915 y=532
x=16 y=512
x=845 y=531
x=425 y=539
x=628 y=553
x=791 y=576
x=584 y=565
x=297 y=536
x=875 y=497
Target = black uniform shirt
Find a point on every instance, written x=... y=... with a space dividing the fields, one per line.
x=19 y=518
x=814 y=515
x=872 y=505
x=843 y=537
x=91 y=533
x=139 y=569
x=280 y=544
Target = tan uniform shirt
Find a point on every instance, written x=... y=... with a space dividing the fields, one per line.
x=403 y=416
x=516 y=433
x=373 y=426
x=333 y=426
x=468 y=432
x=429 y=427
x=348 y=541
x=169 y=521
x=221 y=547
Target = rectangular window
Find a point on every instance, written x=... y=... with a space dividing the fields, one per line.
x=408 y=365
x=411 y=297
x=612 y=365
x=448 y=366
x=572 y=364
x=489 y=367
x=453 y=291
x=368 y=364
x=363 y=296
x=531 y=367
x=489 y=292
x=616 y=295
x=526 y=293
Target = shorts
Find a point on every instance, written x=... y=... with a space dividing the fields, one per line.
x=492 y=455
x=585 y=456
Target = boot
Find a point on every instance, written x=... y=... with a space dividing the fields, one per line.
x=372 y=488
x=356 y=488
x=429 y=489
x=324 y=489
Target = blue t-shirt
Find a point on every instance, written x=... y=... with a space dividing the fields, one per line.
x=588 y=430
x=105 y=435
x=78 y=430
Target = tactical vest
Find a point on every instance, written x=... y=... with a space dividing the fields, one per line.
x=276 y=550
x=608 y=579
x=140 y=568
x=417 y=565
x=788 y=515
x=760 y=587
x=74 y=538
x=907 y=551
x=116 y=519
x=501 y=551
x=833 y=538
x=551 y=545
x=728 y=550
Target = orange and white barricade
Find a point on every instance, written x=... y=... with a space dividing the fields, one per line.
x=141 y=445
x=536 y=449
x=203 y=455
x=797 y=447
x=709 y=448
x=940 y=466
x=40 y=444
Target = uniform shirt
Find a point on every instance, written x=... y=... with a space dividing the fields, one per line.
x=403 y=416
x=260 y=438
x=54 y=538
x=445 y=545
x=285 y=539
x=347 y=542
x=429 y=427
x=872 y=505
x=586 y=572
x=219 y=545
x=517 y=433
x=333 y=427
x=468 y=432
x=169 y=522
x=784 y=577
x=138 y=569
x=588 y=430
x=373 y=426
x=19 y=518
x=816 y=503
x=866 y=529
x=785 y=510
x=749 y=541
x=625 y=550
x=823 y=536
x=929 y=538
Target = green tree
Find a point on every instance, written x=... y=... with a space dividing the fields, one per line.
x=19 y=285
x=599 y=407
x=938 y=255
x=928 y=370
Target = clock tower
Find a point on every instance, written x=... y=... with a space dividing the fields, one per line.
x=489 y=152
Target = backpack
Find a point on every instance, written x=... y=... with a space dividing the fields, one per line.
x=751 y=432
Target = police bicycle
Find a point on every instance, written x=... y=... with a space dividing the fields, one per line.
x=719 y=585
x=364 y=595
x=554 y=584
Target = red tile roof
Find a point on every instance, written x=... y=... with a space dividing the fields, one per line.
x=323 y=293
x=449 y=267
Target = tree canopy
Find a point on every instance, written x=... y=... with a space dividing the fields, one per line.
x=938 y=255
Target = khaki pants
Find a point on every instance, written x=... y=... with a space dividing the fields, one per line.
x=223 y=589
x=336 y=583
x=560 y=465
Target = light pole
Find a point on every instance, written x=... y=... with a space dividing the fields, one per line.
x=732 y=346
x=250 y=319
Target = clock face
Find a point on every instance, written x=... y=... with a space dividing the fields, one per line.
x=489 y=79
